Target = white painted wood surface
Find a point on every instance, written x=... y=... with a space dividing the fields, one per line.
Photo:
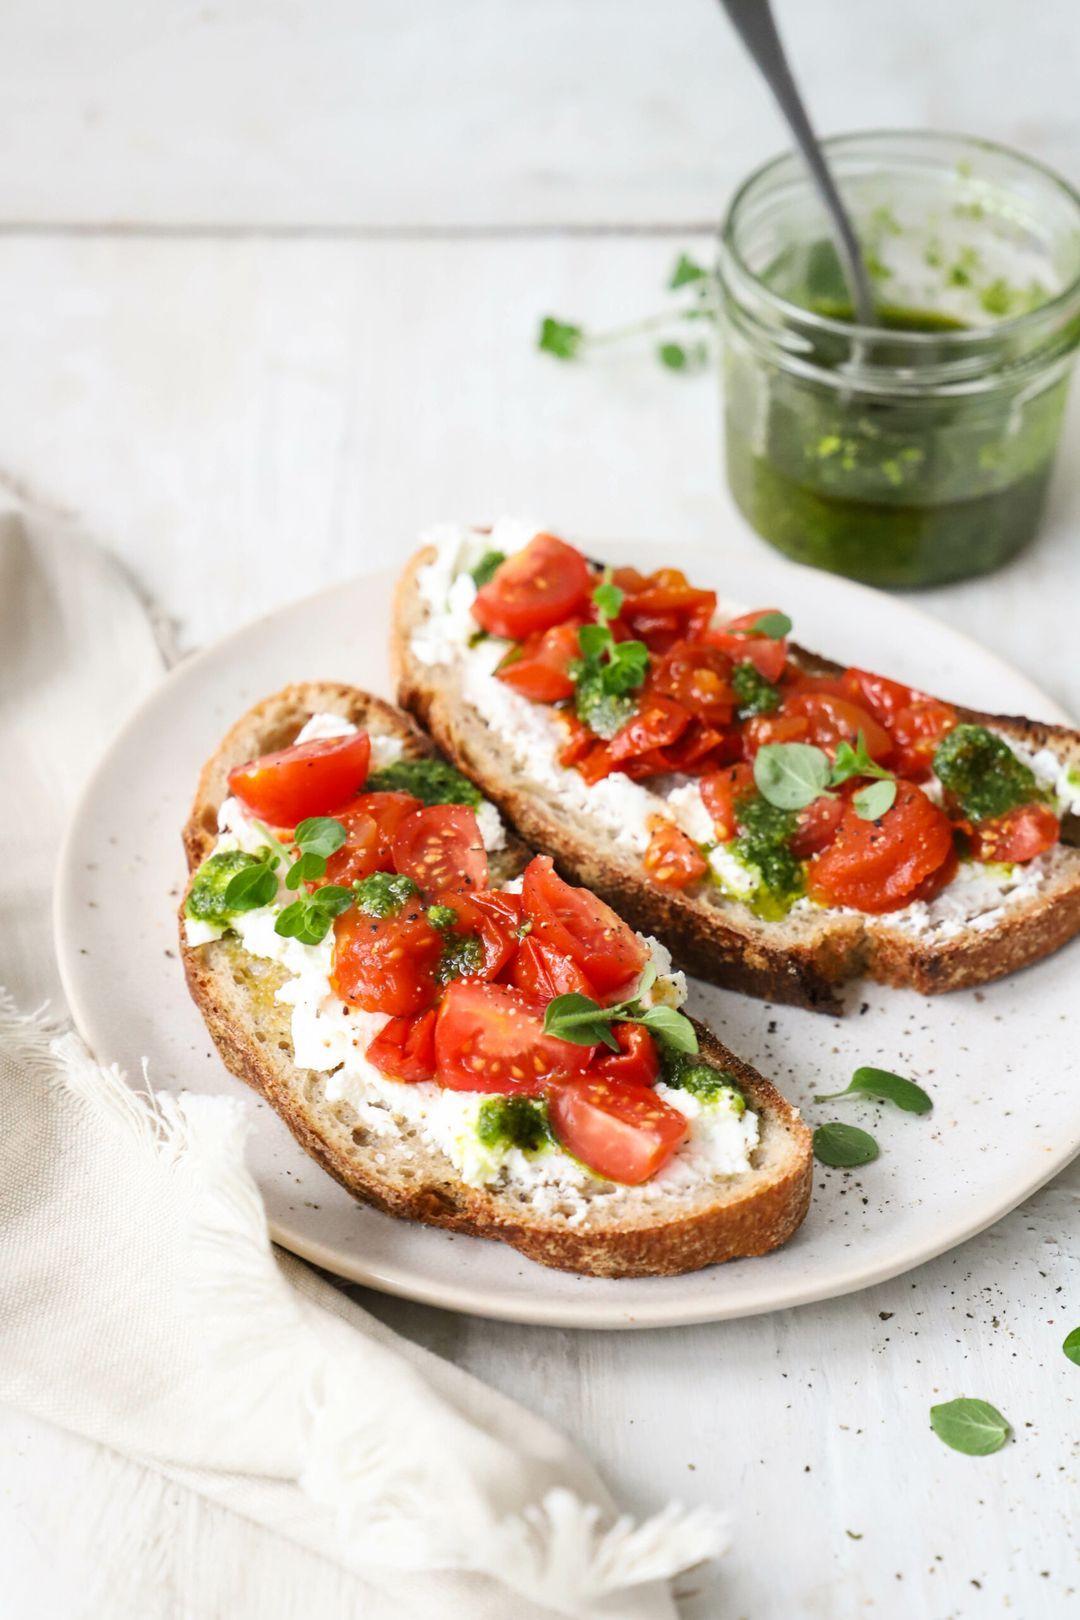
x=244 y=418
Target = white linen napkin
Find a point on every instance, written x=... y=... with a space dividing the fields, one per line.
x=141 y=1302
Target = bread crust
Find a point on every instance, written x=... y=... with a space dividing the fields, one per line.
x=749 y=1215
x=806 y=965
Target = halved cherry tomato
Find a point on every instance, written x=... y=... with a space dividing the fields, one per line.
x=672 y=860
x=629 y=580
x=767 y=654
x=698 y=678
x=832 y=720
x=579 y=740
x=657 y=722
x=636 y=1063
x=404 y=1048
x=308 y=779
x=796 y=680
x=721 y=791
x=878 y=866
x=489 y=1037
x=542 y=973
x=624 y=1132
x=596 y=764
x=817 y=826
x=386 y=964
x=370 y=822
x=541 y=672
x=577 y=923
x=916 y=731
x=762 y=729
x=493 y=918
x=666 y=609
x=1018 y=835
x=440 y=847
x=884 y=698
x=537 y=587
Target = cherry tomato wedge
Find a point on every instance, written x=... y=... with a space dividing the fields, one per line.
x=916 y=731
x=493 y=918
x=541 y=671
x=767 y=653
x=440 y=847
x=721 y=791
x=832 y=720
x=624 y=1132
x=1018 y=835
x=817 y=826
x=404 y=1049
x=878 y=866
x=672 y=860
x=698 y=678
x=576 y=923
x=636 y=1063
x=884 y=698
x=542 y=973
x=773 y=728
x=386 y=964
x=489 y=1037
x=370 y=822
x=308 y=779
x=658 y=721
x=534 y=589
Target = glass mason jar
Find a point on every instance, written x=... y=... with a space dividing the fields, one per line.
x=917 y=451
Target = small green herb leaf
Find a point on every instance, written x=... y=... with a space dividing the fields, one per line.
x=686 y=271
x=250 y=888
x=791 y=775
x=843 y=1146
x=856 y=761
x=774 y=625
x=672 y=355
x=671 y=1026
x=560 y=338
x=881 y=1083
x=319 y=835
x=487 y=568
x=308 y=919
x=872 y=801
x=974 y=1427
x=608 y=599
x=1071 y=1345
x=579 y=1020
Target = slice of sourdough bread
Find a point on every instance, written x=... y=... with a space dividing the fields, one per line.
x=623 y=1231
x=802 y=959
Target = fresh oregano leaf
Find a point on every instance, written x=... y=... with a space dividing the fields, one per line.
x=305 y=870
x=250 y=888
x=670 y=1026
x=686 y=271
x=579 y=1020
x=872 y=801
x=1071 y=1345
x=560 y=338
x=856 y=761
x=843 y=1146
x=672 y=355
x=882 y=1083
x=791 y=775
x=974 y=1427
x=487 y=568
x=319 y=835
x=772 y=624
x=608 y=598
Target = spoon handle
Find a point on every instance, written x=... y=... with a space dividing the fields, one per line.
x=754 y=23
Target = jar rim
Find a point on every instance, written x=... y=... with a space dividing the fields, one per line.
x=963 y=337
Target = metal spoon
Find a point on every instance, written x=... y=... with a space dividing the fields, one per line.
x=754 y=23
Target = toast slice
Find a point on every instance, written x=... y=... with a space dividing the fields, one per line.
x=604 y=1230
x=802 y=959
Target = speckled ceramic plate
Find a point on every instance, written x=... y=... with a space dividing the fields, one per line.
x=999 y=1062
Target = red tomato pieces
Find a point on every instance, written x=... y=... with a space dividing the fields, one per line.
x=636 y=1063
x=539 y=586
x=440 y=847
x=698 y=678
x=542 y=973
x=665 y=609
x=721 y=792
x=1018 y=835
x=489 y=1037
x=370 y=823
x=916 y=731
x=577 y=923
x=658 y=721
x=624 y=1132
x=540 y=670
x=831 y=720
x=761 y=729
x=767 y=653
x=404 y=1049
x=879 y=866
x=494 y=919
x=817 y=826
x=308 y=779
x=386 y=964
x=672 y=860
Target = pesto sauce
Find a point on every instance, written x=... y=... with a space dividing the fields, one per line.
x=384 y=893
x=756 y=695
x=513 y=1122
x=700 y=1079
x=763 y=841
x=980 y=769
x=897 y=491
x=461 y=954
x=206 y=899
x=432 y=781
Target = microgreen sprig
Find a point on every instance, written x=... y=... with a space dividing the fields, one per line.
x=584 y=1022
x=792 y=775
x=683 y=351
x=608 y=670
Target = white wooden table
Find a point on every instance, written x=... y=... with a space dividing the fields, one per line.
x=269 y=280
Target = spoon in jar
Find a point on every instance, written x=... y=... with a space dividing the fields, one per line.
x=756 y=27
